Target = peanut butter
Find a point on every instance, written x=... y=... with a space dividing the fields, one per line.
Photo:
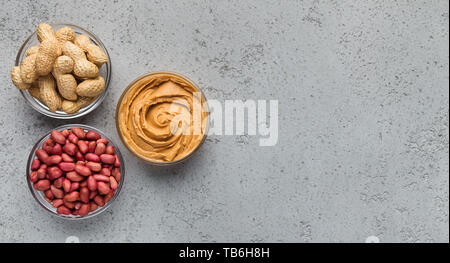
x=161 y=117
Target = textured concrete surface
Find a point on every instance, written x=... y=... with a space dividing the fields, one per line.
x=363 y=121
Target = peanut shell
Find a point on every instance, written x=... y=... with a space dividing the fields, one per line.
x=66 y=82
x=45 y=31
x=48 y=94
x=91 y=87
x=94 y=53
x=71 y=107
x=28 y=69
x=32 y=50
x=46 y=56
x=17 y=79
x=82 y=68
x=65 y=34
x=34 y=90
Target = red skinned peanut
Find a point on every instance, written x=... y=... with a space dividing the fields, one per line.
x=108 y=197
x=101 y=178
x=33 y=177
x=106 y=171
x=57 y=149
x=99 y=200
x=72 y=197
x=43 y=185
x=92 y=194
x=74 y=176
x=100 y=149
x=79 y=156
x=47 y=148
x=66 y=167
x=42 y=155
x=66 y=185
x=95 y=167
x=110 y=149
x=84 y=195
x=54 y=159
x=74 y=186
x=93 y=135
x=35 y=164
x=58 y=193
x=84 y=209
x=117 y=161
x=66 y=158
x=92 y=157
x=113 y=183
x=79 y=132
x=49 y=142
x=94 y=206
x=103 y=188
x=70 y=149
x=91 y=183
x=63 y=210
x=107 y=158
x=70 y=205
x=82 y=170
x=73 y=138
x=54 y=172
x=83 y=163
x=57 y=203
x=58 y=182
x=83 y=146
x=116 y=173
x=92 y=145
x=78 y=205
x=48 y=145
x=58 y=137
x=41 y=173
x=65 y=132
x=49 y=194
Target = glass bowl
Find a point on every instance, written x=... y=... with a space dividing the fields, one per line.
x=205 y=108
x=39 y=195
x=105 y=72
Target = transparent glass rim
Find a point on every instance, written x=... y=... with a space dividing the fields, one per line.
x=47 y=206
x=206 y=106
x=39 y=106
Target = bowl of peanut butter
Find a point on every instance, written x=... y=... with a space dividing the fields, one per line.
x=162 y=118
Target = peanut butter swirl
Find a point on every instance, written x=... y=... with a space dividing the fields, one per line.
x=161 y=117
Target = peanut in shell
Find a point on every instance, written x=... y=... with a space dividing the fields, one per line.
x=94 y=53
x=17 y=79
x=82 y=67
x=71 y=107
x=31 y=50
x=45 y=31
x=28 y=69
x=46 y=56
x=34 y=90
x=48 y=94
x=64 y=80
x=65 y=34
x=91 y=87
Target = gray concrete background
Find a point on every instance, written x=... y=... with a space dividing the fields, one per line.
x=363 y=121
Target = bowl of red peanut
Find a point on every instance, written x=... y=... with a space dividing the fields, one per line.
x=75 y=171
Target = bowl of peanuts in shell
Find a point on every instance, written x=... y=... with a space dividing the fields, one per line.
x=63 y=71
